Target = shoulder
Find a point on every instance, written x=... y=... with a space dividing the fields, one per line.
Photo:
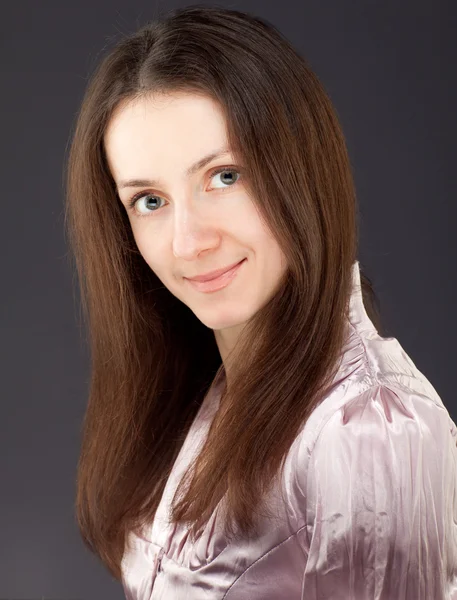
x=380 y=497
x=386 y=435
x=384 y=410
x=389 y=444
x=378 y=420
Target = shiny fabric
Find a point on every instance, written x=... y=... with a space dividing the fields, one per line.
x=368 y=509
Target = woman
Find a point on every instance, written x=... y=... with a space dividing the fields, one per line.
x=252 y=435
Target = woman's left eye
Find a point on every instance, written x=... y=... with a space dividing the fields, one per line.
x=230 y=181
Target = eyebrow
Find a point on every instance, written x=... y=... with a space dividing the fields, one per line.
x=202 y=162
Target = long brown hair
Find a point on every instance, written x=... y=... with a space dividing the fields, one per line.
x=152 y=360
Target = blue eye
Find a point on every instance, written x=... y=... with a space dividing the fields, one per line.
x=225 y=170
x=157 y=199
x=140 y=195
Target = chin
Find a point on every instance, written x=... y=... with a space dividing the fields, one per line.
x=221 y=320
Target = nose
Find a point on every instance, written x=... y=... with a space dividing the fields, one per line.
x=193 y=234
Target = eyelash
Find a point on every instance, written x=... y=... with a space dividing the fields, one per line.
x=141 y=194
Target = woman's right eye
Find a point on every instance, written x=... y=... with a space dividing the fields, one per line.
x=135 y=200
x=218 y=171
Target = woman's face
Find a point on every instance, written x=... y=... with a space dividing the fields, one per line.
x=186 y=224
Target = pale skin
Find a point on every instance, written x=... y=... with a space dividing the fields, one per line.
x=189 y=225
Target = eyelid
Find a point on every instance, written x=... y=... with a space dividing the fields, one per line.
x=132 y=201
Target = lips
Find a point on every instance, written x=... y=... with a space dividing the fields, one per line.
x=219 y=283
x=213 y=274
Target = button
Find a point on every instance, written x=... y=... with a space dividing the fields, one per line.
x=159 y=560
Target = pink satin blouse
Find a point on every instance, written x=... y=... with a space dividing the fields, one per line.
x=368 y=509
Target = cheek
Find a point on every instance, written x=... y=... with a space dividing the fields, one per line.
x=261 y=239
x=271 y=256
x=149 y=249
x=257 y=231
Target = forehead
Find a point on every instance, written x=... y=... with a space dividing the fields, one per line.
x=162 y=132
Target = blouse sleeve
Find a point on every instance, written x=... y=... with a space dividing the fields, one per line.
x=382 y=501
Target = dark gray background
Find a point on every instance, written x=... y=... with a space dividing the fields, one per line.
x=389 y=68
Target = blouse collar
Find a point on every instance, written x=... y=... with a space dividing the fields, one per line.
x=358 y=315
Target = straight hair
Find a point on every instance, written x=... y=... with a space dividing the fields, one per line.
x=152 y=361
